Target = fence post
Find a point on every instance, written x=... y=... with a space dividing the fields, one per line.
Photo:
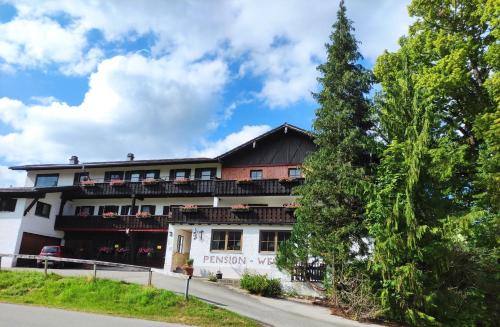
x=187 y=287
x=150 y=277
x=46 y=263
x=95 y=271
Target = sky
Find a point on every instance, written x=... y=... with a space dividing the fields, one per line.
x=165 y=79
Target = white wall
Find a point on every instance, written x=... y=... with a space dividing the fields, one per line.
x=231 y=264
x=66 y=176
x=10 y=223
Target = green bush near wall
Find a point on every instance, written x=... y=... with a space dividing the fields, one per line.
x=261 y=285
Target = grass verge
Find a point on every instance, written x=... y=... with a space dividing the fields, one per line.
x=113 y=298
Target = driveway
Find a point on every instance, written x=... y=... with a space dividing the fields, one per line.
x=272 y=312
x=28 y=316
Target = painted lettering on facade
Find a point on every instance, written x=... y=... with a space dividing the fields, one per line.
x=236 y=260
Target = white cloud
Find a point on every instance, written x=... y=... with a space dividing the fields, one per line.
x=10 y=178
x=279 y=41
x=152 y=107
x=248 y=132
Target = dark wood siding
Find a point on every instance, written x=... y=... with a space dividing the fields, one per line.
x=278 y=148
x=33 y=244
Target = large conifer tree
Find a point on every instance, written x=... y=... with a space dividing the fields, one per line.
x=330 y=219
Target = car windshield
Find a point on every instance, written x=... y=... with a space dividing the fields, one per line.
x=50 y=249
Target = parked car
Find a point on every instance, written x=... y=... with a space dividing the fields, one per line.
x=58 y=251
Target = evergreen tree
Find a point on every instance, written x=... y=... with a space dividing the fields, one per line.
x=434 y=211
x=330 y=220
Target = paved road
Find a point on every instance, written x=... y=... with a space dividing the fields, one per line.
x=272 y=312
x=27 y=316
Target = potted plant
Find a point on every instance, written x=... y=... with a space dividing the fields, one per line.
x=189 y=208
x=150 y=181
x=117 y=182
x=83 y=214
x=288 y=180
x=148 y=252
x=143 y=215
x=182 y=181
x=188 y=267
x=244 y=181
x=87 y=183
x=290 y=206
x=240 y=208
x=109 y=215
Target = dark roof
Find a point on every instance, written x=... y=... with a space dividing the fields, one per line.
x=31 y=192
x=125 y=163
x=129 y=163
x=269 y=133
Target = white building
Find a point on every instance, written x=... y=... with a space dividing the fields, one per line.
x=228 y=213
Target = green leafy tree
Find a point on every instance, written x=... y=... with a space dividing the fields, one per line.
x=434 y=209
x=330 y=221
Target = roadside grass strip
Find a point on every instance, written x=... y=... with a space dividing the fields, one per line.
x=113 y=298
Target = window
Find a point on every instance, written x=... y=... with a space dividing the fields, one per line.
x=256 y=174
x=180 y=243
x=42 y=209
x=148 y=208
x=80 y=177
x=166 y=210
x=84 y=211
x=153 y=174
x=270 y=240
x=179 y=173
x=135 y=176
x=8 y=205
x=226 y=240
x=46 y=180
x=127 y=210
x=113 y=175
x=294 y=172
x=205 y=173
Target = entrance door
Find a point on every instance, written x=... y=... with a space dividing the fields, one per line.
x=182 y=246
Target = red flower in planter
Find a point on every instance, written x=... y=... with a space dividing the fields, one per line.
x=143 y=215
x=240 y=208
x=108 y=215
x=245 y=181
x=189 y=208
x=182 y=180
x=117 y=182
x=87 y=182
x=150 y=181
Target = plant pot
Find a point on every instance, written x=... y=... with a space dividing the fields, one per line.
x=188 y=270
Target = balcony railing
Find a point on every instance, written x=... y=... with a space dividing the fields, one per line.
x=118 y=223
x=254 y=215
x=256 y=187
x=162 y=188
x=219 y=215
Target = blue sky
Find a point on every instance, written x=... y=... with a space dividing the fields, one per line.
x=162 y=78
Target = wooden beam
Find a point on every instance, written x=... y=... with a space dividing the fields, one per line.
x=61 y=207
x=35 y=200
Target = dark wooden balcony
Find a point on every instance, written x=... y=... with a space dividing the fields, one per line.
x=256 y=187
x=220 y=215
x=160 y=189
x=189 y=189
x=256 y=215
x=98 y=223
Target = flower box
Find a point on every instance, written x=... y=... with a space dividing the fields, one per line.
x=290 y=206
x=109 y=215
x=117 y=182
x=143 y=215
x=146 y=251
x=150 y=181
x=105 y=250
x=240 y=208
x=87 y=183
x=245 y=181
x=189 y=208
x=288 y=180
x=182 y=181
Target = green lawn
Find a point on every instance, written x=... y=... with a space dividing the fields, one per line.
x=112 y=297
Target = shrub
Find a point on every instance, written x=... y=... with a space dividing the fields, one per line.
x=212 y=277
x=261 y=285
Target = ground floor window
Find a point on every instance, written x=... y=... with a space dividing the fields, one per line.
x=270 y=240
x=226 y=240
x=8 y=205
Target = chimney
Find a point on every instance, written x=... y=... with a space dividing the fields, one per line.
x=130 y=156
x=73 y=160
